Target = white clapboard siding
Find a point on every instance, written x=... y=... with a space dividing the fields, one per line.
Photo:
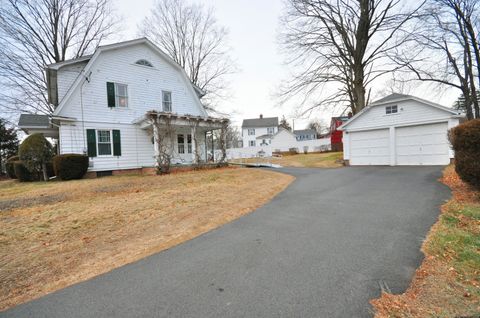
x=409 y=111
x=66 y=76
x=145 y=86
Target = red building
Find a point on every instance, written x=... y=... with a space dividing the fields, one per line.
x=335 y=134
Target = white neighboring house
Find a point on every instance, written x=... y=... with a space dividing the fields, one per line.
x=400 y=130
x=105 y=105
x=305 y=134
x=257 y=132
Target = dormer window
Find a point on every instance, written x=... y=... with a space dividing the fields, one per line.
x=391 y=109
x=144 y=63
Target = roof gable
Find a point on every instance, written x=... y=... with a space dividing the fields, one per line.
x=260 y=122
x=397 y=98
x=101 y=49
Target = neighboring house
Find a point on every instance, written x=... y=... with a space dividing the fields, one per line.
x=259 y=131
x=305 y=134
x=336 y=135
x=400 y=130
x=105 y=105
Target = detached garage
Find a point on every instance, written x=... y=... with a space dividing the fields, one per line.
x=400 y=130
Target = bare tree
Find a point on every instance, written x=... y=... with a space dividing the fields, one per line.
x=192 y=37
x=35 y=33
x=341 y=47
x=446 y=50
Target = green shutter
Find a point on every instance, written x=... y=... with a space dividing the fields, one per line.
x=117 y=147
x=91 y=143
x=111 y=94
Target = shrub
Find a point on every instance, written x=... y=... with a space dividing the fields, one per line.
x=35 y=151
x=465 y=140
x=22 y=173
x=10 y=167
x=70 y=166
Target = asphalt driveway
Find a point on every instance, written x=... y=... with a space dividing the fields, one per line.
x=321 y=248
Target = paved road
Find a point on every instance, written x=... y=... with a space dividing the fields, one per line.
x=321 y=248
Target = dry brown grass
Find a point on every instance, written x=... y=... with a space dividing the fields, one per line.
x=447 y=284
x=55 y=234
x=311 y=160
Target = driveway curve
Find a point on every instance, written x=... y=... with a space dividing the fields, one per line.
x=321 y=248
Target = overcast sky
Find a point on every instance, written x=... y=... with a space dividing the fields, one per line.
x=253 y=27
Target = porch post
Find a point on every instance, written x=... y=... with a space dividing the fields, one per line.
x=194 y=144
x=155 y=142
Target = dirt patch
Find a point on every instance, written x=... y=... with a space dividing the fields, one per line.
x=59 y=233
x=447 y=284
x=311 y=160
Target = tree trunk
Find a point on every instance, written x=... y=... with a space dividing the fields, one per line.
x=44 y=170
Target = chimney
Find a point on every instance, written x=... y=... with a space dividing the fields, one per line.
x=261 y=116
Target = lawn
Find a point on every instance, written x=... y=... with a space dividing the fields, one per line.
x=448 y=282
x=311 y=160
x=58 y=233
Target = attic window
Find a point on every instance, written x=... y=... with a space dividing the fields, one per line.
x=144 y=63
x=391 y=109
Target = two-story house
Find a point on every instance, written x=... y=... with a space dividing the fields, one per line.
x=120 y=103
x=259 y=131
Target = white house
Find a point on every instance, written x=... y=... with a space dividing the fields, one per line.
x=400 y=130
x=258 y=132
x=106 y=104
x=305 y=134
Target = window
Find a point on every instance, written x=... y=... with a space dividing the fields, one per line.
x=189 y=143
x=251 y=143
x=117 y=95
x=181 y=143
x=270 y=130
x=121 y=97
x=104 y=142
x=251 y=131
x=391 y=109
x=144 y=63
x=166 y=101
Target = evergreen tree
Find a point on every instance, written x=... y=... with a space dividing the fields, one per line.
x=8 y=144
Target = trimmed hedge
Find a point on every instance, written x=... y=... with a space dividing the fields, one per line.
x=22 y=173
x=465 y=140
x=10 y=167
x=70 y=166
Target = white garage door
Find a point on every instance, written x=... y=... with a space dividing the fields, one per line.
x=422 y=145
x=370 y=147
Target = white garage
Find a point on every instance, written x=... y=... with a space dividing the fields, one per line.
x=400 y=130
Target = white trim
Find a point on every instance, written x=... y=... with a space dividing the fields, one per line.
x=413 y=123
x=111 y=143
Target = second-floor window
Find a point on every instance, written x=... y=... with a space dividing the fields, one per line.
x=270 y=130
x=251 y=131
x=117 y=95
x=166 y=101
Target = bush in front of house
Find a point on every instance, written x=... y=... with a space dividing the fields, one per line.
x=35 y=152
x=70 y=166
x=10 y=167
x=465 y=140
x=22 y=173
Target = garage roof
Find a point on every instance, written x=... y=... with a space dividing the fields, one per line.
x=395 y=97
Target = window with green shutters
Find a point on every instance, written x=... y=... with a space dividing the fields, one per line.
x=103 y=142
x=117 y=95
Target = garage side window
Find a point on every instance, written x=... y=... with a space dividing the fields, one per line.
x=391 y=109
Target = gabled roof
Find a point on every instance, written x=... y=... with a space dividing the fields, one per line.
x=100 y=49
x=260 y=122
x=395 y=98
x=33 y=121
x=305 y=132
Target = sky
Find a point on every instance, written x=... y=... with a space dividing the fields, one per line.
x=253 y=27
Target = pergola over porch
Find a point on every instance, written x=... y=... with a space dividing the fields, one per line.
x=165 y=124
